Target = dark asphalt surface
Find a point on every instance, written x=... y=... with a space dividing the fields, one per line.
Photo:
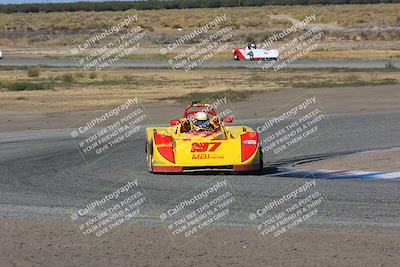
x=43 y=176
x=208 y=64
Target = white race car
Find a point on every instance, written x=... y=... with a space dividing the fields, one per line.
x=251 y=52
x=1 y=55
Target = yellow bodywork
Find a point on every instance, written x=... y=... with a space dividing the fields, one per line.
x=220 y=149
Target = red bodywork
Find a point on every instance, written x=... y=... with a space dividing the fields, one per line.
x=238 y=53
x=165 y=147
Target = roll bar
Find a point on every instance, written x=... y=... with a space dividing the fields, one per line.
x=205 y=108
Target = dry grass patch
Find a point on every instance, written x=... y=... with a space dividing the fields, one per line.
x=163 y=25
x=112 y=86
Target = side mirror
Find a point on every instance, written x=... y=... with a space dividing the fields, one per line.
x=174 y=122
x=228 y=119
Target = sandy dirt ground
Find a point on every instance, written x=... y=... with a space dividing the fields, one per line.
x=37 y=243
x=384 y=160
x=348 y=100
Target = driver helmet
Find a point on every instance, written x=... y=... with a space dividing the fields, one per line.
x=201 y=120
x=252 y=46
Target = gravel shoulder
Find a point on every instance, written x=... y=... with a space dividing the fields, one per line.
x=387 y=160
x=38 y=243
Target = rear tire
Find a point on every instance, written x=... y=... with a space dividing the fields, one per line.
x=149 y=154
x=261 y=169
x=235 y=56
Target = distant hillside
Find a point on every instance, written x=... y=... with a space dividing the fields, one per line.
x=167 y=4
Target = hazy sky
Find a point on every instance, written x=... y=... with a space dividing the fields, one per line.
x=50 y=1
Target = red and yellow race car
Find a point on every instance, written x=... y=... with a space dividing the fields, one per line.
x=201 y=141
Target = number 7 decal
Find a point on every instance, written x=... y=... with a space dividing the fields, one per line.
x=203 y=147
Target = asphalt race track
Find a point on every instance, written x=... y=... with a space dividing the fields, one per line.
x=43 y=175
x=208 y=64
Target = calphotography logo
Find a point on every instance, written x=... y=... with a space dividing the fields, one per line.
x=107 y=32
x=305 y=38
x=218 y=110
x=199 y=210
x=292 y=126
x=99 y=52
x=107 y=131
x=108 y=211
x=291 y=208
x=213 y=39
